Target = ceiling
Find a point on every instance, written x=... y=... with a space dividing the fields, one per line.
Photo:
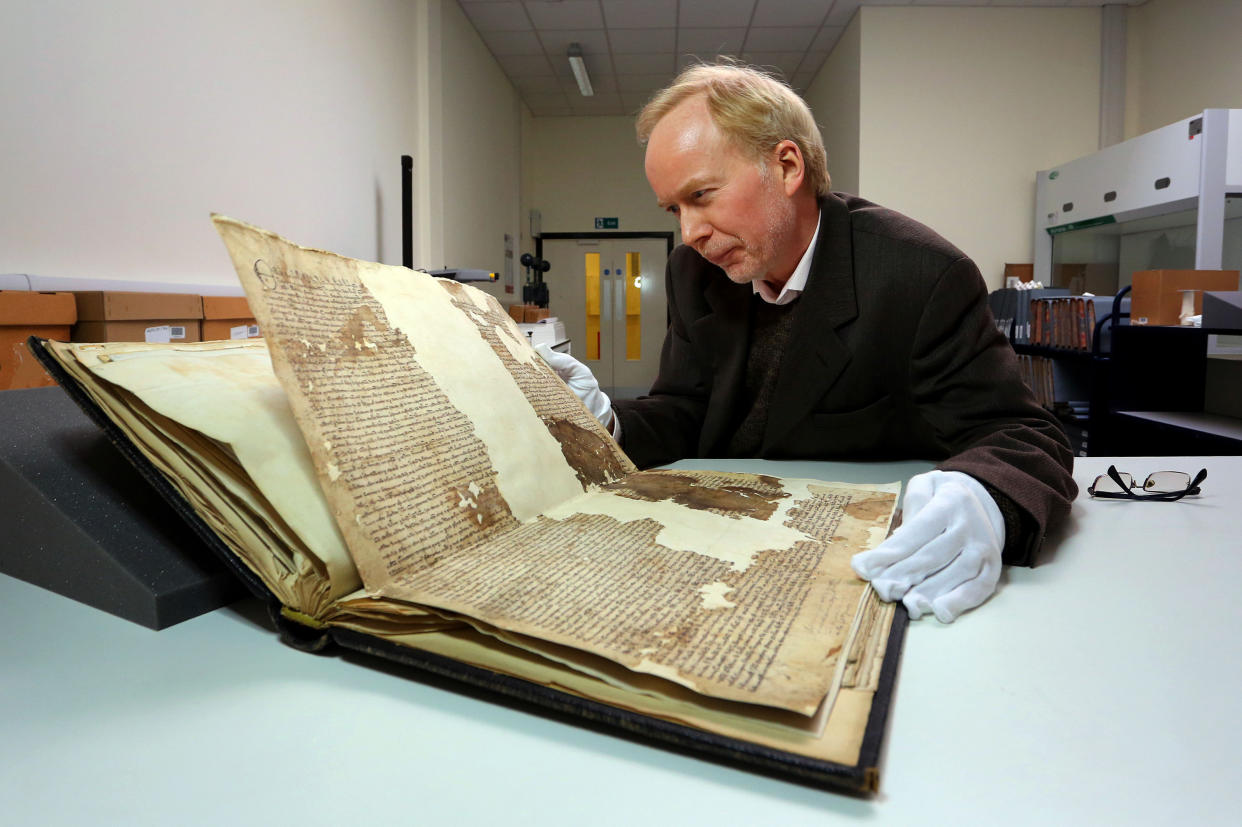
x=634 y=47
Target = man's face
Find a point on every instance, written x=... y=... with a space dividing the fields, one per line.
x=733 y=209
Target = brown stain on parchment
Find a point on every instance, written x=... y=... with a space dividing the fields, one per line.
x=870 y=510
x=485 y=509
x=588 y=453
x=737 y=500
x=362 y=326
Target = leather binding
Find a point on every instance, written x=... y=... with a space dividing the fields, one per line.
x=859 y=779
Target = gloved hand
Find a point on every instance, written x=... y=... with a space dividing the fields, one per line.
x=945 y=557
x=581 y=381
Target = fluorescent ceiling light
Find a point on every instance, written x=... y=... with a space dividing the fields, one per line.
x=580 y=72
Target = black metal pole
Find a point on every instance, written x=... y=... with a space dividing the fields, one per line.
x=407 y=211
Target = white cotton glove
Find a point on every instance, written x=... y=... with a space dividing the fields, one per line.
x=581 y=381
x=945 y=557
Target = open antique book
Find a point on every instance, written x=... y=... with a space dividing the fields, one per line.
x=396 y=470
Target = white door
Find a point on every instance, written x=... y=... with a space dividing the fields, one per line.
x=610 y=295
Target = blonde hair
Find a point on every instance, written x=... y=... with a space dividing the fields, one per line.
x=753 y=109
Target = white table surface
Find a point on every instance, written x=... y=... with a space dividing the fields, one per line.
x=1101 y=687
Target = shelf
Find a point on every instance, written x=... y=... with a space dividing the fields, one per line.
x=1227 y=427
x=1132 y=391
x=1052 y=352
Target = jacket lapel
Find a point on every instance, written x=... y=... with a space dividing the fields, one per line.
x=726 y=333
x=815 y=354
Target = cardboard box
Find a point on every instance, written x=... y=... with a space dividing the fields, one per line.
x=113 y=305
x=24 y=314
x=228 y=317
x=120 y=316
x=176 y=331
x=1156 y=298
x=527 y=313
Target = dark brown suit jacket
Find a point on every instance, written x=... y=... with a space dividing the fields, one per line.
x=893 y=354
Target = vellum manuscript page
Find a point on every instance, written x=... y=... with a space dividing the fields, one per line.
x=466 y=477
x=214 y=419
x=751 y=605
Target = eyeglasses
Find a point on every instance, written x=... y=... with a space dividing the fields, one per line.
x=1162 y=486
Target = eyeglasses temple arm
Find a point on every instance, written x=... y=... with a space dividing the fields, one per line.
x=1125 y=489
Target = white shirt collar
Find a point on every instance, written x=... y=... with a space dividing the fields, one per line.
x=797 y=281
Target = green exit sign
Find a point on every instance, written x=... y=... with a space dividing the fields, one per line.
x=607 y=223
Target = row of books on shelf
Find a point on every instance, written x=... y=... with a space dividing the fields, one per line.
x=1051 y=317
x=1011 y=308
x=1038 y=373
x=1063 y=322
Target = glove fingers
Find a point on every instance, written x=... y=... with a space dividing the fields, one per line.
x=574 y=373
x=920 y=601
x=581 y=381
x=932 y=558
x=967 y=596
x=965 y=584
x=909 y=537
x=870 y=564
x=556 y=360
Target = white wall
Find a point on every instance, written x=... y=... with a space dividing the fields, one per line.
x=480 y=155
x=959 y=107
x=834 y=100
x=943 y=113
x=584 y=167
x=127 y=123
x=1182 y=57
x=528 y=179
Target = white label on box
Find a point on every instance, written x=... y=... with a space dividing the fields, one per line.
x=161 y=334
x=178 y=332
x=240 y=332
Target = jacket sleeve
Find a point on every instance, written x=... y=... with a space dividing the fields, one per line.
x=968 y=388
x=664 y=426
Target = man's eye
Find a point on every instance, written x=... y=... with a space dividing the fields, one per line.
x=674 y=210
x=699 y=194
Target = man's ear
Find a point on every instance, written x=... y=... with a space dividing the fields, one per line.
x=793 y=168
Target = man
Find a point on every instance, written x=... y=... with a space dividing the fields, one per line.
x=816 y=325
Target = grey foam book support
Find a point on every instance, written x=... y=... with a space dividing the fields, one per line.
x=76 y=518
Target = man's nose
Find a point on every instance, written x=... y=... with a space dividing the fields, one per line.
x=694 y=229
